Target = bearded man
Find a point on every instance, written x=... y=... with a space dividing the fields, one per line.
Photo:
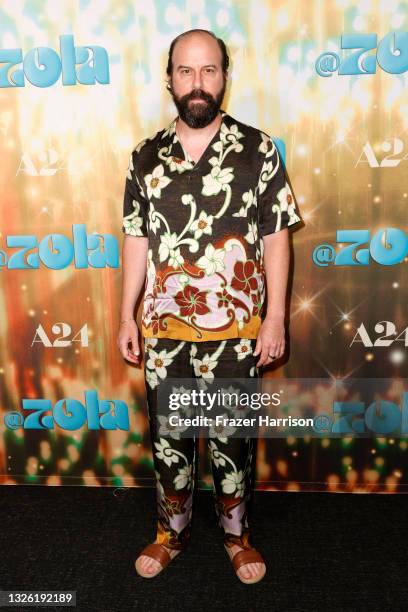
x=207 y=207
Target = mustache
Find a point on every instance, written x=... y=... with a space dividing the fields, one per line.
x=198 y=93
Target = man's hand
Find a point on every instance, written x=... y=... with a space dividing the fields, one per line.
x=129 y=333
x=270 y=341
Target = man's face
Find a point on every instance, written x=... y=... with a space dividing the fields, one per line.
x=197 y=83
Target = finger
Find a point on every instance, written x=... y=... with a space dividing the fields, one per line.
x=132 y=358
x=280 y=349
x=123 y=347
x=134 y=342
x=258 y=346
x=272 y=354
x=127 y=352
x=135 y=357
x=263 y=357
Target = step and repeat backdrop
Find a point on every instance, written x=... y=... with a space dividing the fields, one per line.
x=81 y=83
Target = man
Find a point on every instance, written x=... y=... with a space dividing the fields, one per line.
x=206 y=211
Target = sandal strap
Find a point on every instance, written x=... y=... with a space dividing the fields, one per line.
x=158 y=553
x=246 y=556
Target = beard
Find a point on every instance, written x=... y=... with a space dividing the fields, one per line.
x=198 y=114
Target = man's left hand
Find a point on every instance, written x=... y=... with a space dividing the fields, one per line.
x=270 y=343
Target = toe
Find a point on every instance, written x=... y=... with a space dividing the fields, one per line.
x=244 y=571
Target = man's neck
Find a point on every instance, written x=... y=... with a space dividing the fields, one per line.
x=189 y=134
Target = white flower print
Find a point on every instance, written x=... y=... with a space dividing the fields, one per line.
x=158 y=362
x=151 y=379
x=214 y=161
x=150 y=342
x=177 y=164
x=203 y=367
x=233 y=483
x=243 y=349
x=215 y=181
x=175 y=258
x=221 y=431
x=166 y=453
x=133 y=223
x=252 y=235
x=202 y=225
x=172 y=431
x=156 y=181
x=168 y=242
x=183 y=479
x=212 y=261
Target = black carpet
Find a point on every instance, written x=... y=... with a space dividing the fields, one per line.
x=324 y=551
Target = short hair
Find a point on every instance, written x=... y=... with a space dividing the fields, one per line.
x=221 y=44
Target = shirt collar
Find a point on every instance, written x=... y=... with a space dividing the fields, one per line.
x=172 y=144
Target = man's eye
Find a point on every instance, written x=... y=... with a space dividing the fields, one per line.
x=185 y=70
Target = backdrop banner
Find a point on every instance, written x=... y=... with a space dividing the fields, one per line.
x=81 y=84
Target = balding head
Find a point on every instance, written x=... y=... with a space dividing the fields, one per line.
x=198 y=43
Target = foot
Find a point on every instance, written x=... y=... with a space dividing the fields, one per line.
x=151 y=566
x=249 y=570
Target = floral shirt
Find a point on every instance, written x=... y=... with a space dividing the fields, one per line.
x=205 y=222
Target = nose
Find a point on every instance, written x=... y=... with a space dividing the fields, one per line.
x=197 y=79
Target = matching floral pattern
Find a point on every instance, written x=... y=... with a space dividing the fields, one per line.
x=205 y=222
x=174 y=456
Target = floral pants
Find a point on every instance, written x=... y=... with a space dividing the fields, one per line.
x=174 y=459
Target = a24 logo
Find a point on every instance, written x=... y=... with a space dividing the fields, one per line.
x=64 y=340
x=389 y=331
x=45 y=163
x=391 y=55
x=394 y=147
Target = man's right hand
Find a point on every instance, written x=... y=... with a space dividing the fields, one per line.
x=129 y=334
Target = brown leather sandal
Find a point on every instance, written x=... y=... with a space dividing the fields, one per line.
x=247 y=556
x=156 y=552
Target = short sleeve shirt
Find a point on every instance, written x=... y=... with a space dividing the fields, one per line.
x=204 y=222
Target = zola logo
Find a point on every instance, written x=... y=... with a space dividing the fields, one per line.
x=391 y=54
x=43 y=66
x=57 y=251
x=388 y=246
x=71 y=414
